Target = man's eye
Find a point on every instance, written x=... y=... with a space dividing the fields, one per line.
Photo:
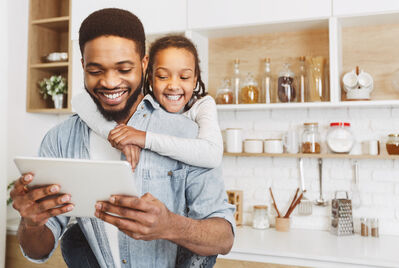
x=125 y=71
x=94 y=72
x=162 y=77
x=185 y=77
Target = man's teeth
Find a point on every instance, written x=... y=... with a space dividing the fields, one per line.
x=113 y=96
x=173 y=97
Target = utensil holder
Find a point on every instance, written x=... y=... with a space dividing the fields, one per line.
x=282 y=224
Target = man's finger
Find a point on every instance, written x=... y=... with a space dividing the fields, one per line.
x=39 y=193
x=123 y=212
x=123 y=224
x=25 y=179
x=51 y=203
x=132 y=202
x=55 y=212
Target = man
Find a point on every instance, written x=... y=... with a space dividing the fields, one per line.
x=182 y=205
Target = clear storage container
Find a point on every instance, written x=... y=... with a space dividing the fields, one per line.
x=310 y=139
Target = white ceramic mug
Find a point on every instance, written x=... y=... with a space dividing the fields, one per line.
x=273 y=146
x=291 y=142
x=374 y=147
x=234 y=140
x=253 y=146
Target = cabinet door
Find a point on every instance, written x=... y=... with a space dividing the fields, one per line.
x=358 y=7
x=157 y=16
x=229 y=13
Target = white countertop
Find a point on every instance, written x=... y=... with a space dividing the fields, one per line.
x=314 y=248
x=305 y=247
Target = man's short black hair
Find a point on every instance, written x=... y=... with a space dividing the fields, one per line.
x=112 y=22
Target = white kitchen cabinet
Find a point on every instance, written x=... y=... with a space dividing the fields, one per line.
x=157 y=16
x=204 y=14
x=358 y=7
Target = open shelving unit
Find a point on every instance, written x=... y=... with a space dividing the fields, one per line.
x=49 y=31
x=346 y=40
x=301 y=155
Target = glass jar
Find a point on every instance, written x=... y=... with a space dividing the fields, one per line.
x=364 y=227
x=236 y=81
x=374 y=227
x=267 y=83
x=249 y=92
x=310 y=139
x=340 y=138
x=317 y=86
x=393 y=144
x=224 y=94
x=260 y=217
x=285 y=85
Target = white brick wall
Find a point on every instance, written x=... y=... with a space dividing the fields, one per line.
x=379 y=179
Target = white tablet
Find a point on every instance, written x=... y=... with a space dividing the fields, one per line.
x=86 y=181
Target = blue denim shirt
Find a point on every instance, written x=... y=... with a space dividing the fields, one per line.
x=186 y=190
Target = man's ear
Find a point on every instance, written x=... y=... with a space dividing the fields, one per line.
x=144 y=63
x=83 y=64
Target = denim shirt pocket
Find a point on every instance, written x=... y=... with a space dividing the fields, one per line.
x=168 y=186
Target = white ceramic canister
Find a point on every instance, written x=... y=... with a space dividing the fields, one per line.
x=273 y=146
x=253 y=146
x=234 y=140
x=339 y=137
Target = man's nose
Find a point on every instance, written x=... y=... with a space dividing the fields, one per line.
x=110 y=80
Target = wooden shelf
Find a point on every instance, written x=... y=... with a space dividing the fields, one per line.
x=58 y=23
x=300 y=155
x=298 y=105
x=50 y=111
x=50 y=65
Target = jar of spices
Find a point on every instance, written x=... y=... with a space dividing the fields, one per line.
x=310 y=139
x=224 y=94
x=374 y=227
x=285 y=85
x=249 y=92
x=364 y=227
x=393 y=144
x=260 y=217
x=340 y=138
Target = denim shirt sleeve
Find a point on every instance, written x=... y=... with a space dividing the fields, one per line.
x=206 y=197
x=51 y=147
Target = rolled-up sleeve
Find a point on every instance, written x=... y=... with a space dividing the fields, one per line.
x=206 y=196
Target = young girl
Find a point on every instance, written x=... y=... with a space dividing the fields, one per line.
x=173 y=78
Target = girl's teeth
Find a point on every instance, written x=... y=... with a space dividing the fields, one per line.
x=113 y=96
x=173 y=97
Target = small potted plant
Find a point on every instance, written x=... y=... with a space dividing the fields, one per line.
x=9 y=186
x=56 y=87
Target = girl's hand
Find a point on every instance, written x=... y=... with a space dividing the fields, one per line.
x=132 y=153
x=123 y=135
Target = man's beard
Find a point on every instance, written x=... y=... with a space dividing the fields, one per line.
x=124 y=112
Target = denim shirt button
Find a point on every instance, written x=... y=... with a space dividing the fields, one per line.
x=144 y=115
x=124 y=261
x=170 y=173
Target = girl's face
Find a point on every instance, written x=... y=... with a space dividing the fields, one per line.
x=174 y=79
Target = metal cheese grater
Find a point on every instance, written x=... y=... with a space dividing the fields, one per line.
x=341 y=216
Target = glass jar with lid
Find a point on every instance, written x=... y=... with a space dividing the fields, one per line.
x=310 y=139
x=224 y=94
x=393 y=144
x=285 y=85
x=340 y=138
x=249 y=92
x=260 y=217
